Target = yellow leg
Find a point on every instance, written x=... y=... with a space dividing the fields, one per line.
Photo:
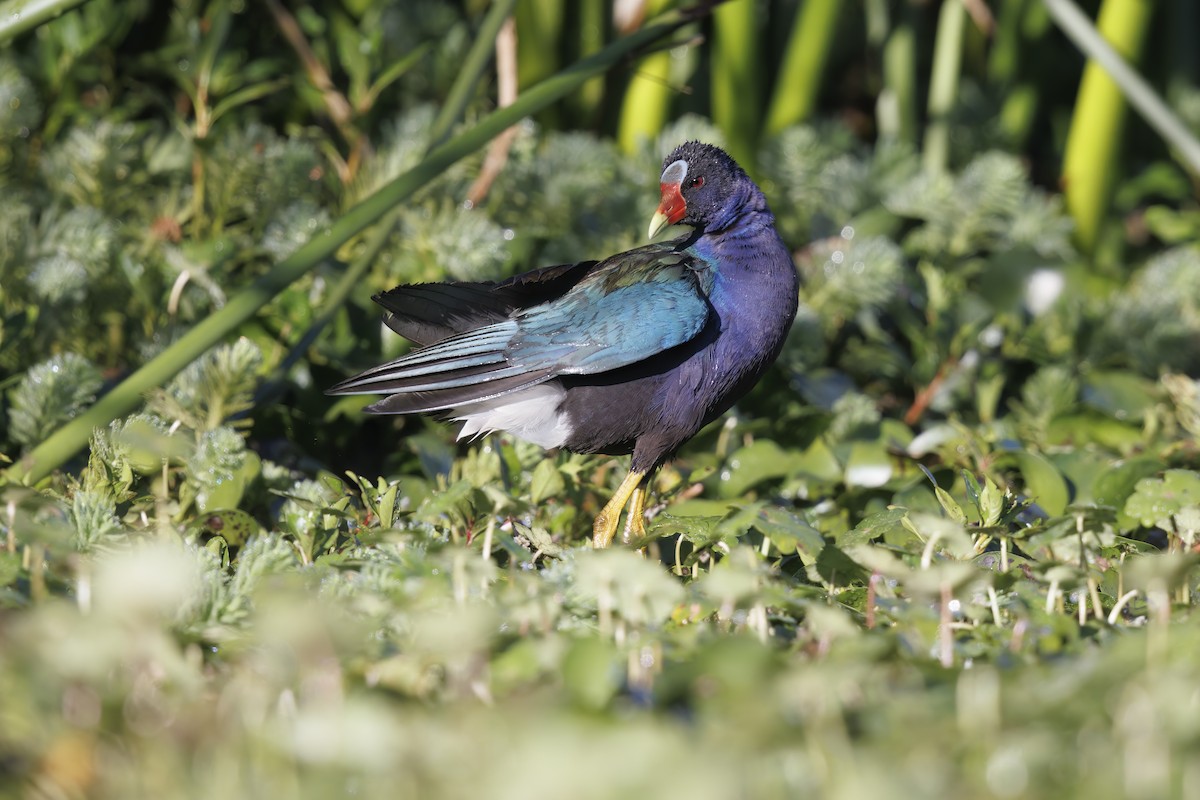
x=605 y=527
x=635 y=522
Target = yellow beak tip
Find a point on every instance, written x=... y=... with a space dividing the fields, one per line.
x=657 y=223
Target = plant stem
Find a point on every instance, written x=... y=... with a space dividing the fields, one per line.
x=589 y=30
x=647 y=100
x=350 y=280
x=336 y=104
x=506 y=95
x=1158 y=115
x=1015 y=66
x=1005 y=57
x=896 y=109
x=943 y=85
x=20 y=16
x=646 y=103
x=539 y=37
x=804 y=60
x=736 y=80
x=473 y=66
x=1091 y=160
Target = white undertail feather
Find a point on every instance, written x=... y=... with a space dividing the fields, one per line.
x=531 y=414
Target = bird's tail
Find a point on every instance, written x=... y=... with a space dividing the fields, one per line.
x=462 y=369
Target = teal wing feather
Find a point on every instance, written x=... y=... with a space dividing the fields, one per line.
x=628 y=308
x=632 y=307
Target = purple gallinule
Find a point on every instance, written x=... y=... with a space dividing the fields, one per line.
x=632 y=354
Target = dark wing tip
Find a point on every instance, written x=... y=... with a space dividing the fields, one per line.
x=441 y=400
x=347 y=386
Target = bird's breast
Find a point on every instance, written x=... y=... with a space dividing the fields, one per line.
x=656 y=405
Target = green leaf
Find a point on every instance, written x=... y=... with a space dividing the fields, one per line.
x=246 y=95
x=145 y=445
x=1114 y=487
x=838 y=569
x=760 y=461
x=736 y=579
x=10 y=568
x=819 y=462
x=1093 y=426
x=625 y=584
x=591 y=672
x=547 y=481
x=1122 y=395
x=991 y=503
x=868 y=464
x=1043 y=482
x=380 y=498
x=701 y=531
x=1170 y=570
x=876 y=525
x=393 y=73
x=700 y=507
x=947 y=534
x=50 y=394
x=233 y=526
x=1173 y=225
x=457 y=504
x=950 y=505
x=788 y=533
x=1171 y=502
x=542 y=541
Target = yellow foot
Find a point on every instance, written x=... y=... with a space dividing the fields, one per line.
x=605 y=526
x=635 y=522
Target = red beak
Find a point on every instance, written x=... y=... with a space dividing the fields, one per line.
x=671 y=208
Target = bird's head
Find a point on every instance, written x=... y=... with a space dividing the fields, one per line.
x=703 y=187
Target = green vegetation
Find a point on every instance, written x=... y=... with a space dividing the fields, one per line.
x=947 y=548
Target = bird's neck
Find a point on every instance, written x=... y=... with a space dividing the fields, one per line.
x=749 y=245
x=748 y=226
x=754 y=269
x=745 y=215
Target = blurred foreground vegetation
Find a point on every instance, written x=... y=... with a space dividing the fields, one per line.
x=946 y=549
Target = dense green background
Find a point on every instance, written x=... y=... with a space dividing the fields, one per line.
x=945 y=549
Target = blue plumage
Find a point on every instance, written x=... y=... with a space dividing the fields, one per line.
x=588 y=330
x=632 y=354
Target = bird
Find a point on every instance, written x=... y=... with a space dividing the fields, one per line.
x=632 y=354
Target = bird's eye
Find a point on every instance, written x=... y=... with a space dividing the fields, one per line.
x=696 y=182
